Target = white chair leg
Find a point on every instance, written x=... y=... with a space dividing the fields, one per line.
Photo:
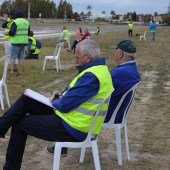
x=6 y=93
x=126 y=142
x=69 y=44
x=96 y=156
x=56 y=63
x=59 y=63
x=82 y=155
x=56 y=161
x=118 y=144
x=1 y=98
x=44 y=64
x=145 y=39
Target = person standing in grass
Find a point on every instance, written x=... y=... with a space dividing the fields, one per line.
x=7 y=25
x=130 y=26
x=19 y=31
x=153 y=30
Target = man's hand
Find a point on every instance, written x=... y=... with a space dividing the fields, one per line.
x=53 y=95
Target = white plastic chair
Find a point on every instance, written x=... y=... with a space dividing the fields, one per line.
x=55 y=57
x=67 y=41
x=143 y=36
x=2 y=82
x=90 y=141
x=117 y=127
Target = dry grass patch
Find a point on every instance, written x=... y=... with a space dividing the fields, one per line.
x=148 y=121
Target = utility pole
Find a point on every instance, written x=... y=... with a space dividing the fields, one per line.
x=65 y=13
x=29 y=10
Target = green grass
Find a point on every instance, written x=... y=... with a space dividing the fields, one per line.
x=148 y=120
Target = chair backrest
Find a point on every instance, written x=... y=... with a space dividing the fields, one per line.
x=130 y=92
x=57 y=50
x=5 y=60
x=90 y=136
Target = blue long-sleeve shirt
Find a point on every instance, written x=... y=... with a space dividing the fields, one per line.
x=124 y=77
x=85 y=88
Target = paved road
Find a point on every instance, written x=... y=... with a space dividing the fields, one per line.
x=54 y=31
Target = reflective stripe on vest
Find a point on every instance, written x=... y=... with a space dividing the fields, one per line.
x=21 y=35
x=81 y=117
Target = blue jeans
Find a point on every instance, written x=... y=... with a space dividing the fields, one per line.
x=29 y=117
x=152 y=36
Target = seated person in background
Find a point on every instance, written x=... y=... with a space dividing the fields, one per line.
x=85 y=36
x=64 y=35
x=98 y=31
x=69 y=121
x=79 y=32
x=124 y=76
x=32 y=50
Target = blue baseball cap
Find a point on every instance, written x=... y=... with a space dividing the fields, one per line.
x=126 y=46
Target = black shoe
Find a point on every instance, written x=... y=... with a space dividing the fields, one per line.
x=69 y=50
x=63 y=151
x=2 y=136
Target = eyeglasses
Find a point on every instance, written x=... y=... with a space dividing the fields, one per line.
x=81 y=57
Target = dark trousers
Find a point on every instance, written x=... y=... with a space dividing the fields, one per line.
x=31 y=56
x=74 y=45
x=130 y=33
x=29 y=117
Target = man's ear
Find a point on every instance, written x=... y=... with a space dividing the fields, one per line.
x=120 y=54
x=89 y=58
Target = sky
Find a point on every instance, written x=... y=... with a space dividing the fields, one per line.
x=119 y=6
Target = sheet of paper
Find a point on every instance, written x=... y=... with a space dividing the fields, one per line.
x=34 y=95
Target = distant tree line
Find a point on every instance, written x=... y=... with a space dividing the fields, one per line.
x=46 y=8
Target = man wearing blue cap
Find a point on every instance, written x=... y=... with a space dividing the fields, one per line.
x=124 y=76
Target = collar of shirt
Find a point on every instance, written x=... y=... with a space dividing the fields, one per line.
x=100 y=61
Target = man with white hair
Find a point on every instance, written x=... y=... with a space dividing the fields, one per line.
x=71 y=117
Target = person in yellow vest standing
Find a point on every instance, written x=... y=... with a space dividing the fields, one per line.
x=19 y=31
x=70 y=117
x=32 y=50
x=130 y=26
x=64 y=35
x=7 y=25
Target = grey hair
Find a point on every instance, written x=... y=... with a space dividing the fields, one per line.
x=131 y=55
x=91 y=47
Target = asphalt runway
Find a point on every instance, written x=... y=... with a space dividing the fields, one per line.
x=55 y=31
